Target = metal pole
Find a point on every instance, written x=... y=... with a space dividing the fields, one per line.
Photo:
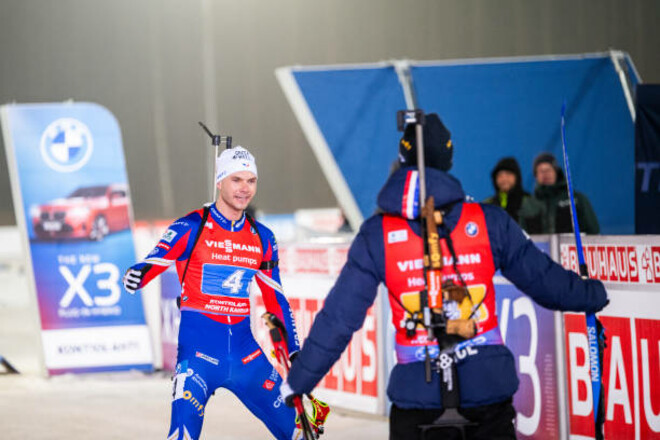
x=208 y=81
x=619 y=61
x=420 y=161
x=402 y=68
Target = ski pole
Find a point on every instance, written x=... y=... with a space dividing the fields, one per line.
x=278 y=337
x=593 y=334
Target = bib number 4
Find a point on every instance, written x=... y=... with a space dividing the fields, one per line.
x=234 y=282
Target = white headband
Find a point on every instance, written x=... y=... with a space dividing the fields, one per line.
x=234 y=160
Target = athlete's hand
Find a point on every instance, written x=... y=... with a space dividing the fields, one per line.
x=293 y=356
x=132 y=279
x=287 y=394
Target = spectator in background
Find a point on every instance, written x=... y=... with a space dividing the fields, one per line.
x=510 y=196
x=551 y=190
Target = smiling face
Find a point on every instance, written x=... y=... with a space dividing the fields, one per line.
x=505 y=180
x=235 y=192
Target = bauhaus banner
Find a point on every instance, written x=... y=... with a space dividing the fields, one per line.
x=72 y=205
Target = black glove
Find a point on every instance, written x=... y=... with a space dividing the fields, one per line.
x=132 y=280
x=293 y=355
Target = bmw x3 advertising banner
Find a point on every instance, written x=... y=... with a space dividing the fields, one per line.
x=629 y=266
x=72 y=204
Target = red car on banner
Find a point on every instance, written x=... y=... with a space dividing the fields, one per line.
x=90 y=212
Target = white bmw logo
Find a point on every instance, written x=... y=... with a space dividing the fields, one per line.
x=471 y=229
x=66 y=145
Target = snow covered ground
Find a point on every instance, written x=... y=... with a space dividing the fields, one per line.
x=134 y=405
x=110 y=406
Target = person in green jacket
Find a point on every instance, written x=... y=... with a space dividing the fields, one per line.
x=551 y=190
x=528 y=212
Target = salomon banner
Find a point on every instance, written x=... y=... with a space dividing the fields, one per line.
x=72 y=204
x=630 y=268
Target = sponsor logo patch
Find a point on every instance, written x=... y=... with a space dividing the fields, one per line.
x=273 y=375
x=165 y=246
x=187 y=395
x=471 y=229
x=229 y=246
x=420 y=353
x=251 y=356
x=268 y=384
x=207 y=358
x=278 y=402
x=397 y=236
x=168 y=236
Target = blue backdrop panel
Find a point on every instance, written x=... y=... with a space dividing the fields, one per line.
x=513 y=108
x=647 y=157
x=355 y=110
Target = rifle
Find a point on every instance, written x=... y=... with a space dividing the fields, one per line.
x=434 y=293
x=311 y=426
x=216 y=140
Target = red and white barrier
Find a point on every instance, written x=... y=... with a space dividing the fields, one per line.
x=308 y=272
x=630 y=268
x=628 y=265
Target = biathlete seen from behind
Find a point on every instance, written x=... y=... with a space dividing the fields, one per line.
x=218 y=251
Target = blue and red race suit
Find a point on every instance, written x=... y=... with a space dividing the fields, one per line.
x=216 y=346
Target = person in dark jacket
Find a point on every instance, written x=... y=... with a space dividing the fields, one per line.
x=551 y=190
x=388 y=249
x=510 y=196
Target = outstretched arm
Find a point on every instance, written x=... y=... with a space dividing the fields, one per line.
x=535 y=273
x=171 y=246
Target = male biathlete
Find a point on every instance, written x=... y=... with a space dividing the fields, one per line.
x=218 y=251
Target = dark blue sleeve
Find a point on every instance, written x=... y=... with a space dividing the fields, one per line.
x=344 y=310
x=534 y=272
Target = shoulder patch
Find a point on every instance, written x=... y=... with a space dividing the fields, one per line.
x=397 y=236
x=169 y=235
